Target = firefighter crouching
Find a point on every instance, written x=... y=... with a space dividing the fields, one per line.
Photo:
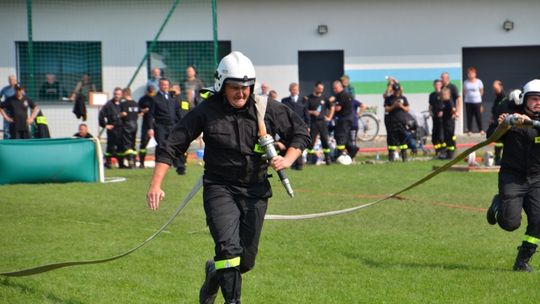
x=236 y=187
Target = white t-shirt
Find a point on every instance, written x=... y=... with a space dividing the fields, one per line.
x=472 y=91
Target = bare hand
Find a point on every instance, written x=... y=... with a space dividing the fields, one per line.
x=9 y=119
x=280 y=163
x=154 y=196
x=109 y=127
x=29 y=121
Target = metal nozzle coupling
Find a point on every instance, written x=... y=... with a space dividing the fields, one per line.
x=267 y=143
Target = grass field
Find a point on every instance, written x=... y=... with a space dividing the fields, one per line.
x=432 y=246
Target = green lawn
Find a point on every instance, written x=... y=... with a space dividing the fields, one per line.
x=434 y=246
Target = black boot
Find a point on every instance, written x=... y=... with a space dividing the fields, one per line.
x=526 y=251
x=120 y=160
x=131 y=161
x=327 y=158
x=404 y=155
x=210 y=287
x=391 y=155
x=449 y=154
x=142 y=156
x=108 y=162
x=491 y=215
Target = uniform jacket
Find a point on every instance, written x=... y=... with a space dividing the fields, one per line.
x=521 y=154
x=298 y=107
x=164 y=111
x=231 y=137
x=110 y=114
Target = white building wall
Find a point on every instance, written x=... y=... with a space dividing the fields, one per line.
x=373 y=34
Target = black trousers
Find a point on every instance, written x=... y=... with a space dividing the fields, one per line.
x=144 y=138
x=449 y=126
x=343 y=137
x=518 y=193
x=114 y=141
x=129 y=133
x=437 y=132
x=319 y=127
x=473 y=111
x=235 y=216
x=18 y=134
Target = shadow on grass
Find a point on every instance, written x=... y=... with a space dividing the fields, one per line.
x=25 y=289
x=450 y=266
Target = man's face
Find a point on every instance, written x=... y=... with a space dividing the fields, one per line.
x=19 y=93
x=12 y=80
x=345 y=81
x=445 y=78
x=164 y=86
x=533 y=103
x=118 y=95
x=294 y=90
x=497 y=87
x=437 y=86
x=337 y=88
x=319 y=89
x=50 y=79
x=190 y=72
x=264 y=88
x=156 y=73
x=236 y=95
x=83 y=130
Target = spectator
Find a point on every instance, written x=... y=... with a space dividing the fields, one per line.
x=273 y=95
x=83 y=132
x=129 y=113
x=396 y=107
x=154 y=79
x=349 y=89
x=147 y=132
x=448 y=122
x=18 y=106
x=192 y=86
x=343 y=110
x=265 y=89
x=473 y=89
x=501 y=105
x=183 y=108
x=165 y=111
x=109 y=118
x=436 y=113
x=456 y=98
x=6 y=93
x=80 y=96
x=390 y=81
x=298 y=106
x=358 y=109
x=320 y=111
x=51 y=90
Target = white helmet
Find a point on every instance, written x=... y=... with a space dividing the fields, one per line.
x=344 y=159
x=515 y=96
x=234 y=68
x=530 y=88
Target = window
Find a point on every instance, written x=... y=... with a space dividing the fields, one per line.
x=67 y=61
x=172 y=57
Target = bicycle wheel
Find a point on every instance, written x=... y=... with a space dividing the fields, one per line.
x=368 y=127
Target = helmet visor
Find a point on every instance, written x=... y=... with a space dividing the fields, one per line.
x=245 y=82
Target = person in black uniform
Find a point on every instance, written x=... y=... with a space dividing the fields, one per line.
x=129 y=112
x=165 y=111
x=236 y=187
x=500 y=105
x=183 y=108
x=319 y=110
x=448 y=122
x=83 y=132
x=395 y=108
x=109 y=118
x=519 y=176
x=344 y=115
x=435 y=110
x=298 y=106
x=147 y=132
x=18 y=105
